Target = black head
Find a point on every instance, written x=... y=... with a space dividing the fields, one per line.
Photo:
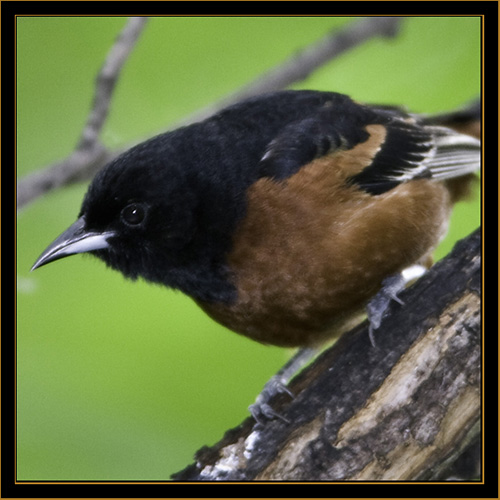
x=144 y=216
x=167 y=209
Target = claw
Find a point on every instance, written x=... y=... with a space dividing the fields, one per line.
x=261 y=410
x=391 y=286
x=264 y=410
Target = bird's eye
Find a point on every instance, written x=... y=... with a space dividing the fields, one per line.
x=133 y=214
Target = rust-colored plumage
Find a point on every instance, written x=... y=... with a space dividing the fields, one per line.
x=281 y=215
x=312 y=250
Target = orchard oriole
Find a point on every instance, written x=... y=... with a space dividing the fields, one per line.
x=282 y=215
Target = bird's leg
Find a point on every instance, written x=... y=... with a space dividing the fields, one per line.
x=376 y=308
x=391 y=286
x=261 y=409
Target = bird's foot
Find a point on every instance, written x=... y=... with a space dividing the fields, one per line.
x=391 y=286
x=262 y=410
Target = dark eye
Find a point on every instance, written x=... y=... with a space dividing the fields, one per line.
x=133 y=214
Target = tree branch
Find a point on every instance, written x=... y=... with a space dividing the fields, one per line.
x=408 y=409
x=301 y=65
x=90 y=155
x=108 y=77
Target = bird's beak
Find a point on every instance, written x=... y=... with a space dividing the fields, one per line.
x=76 y=239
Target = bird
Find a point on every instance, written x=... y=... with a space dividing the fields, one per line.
x=282 y=216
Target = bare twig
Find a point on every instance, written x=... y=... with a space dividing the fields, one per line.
x=107 y=79
x=302 y=64
x=91 y=155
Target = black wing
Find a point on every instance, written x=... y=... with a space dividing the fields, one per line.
x=410 y=150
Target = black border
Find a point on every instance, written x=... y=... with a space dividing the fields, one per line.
x=11 y=489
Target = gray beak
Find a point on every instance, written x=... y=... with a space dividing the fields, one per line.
x=76 y=239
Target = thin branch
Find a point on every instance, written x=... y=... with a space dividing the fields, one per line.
x=301 y=65
x=91 y=155
x=107 y=78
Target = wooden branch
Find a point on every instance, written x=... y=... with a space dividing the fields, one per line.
x=107 y=79
x=90 y=155
x=406 y=410
x=302 y=64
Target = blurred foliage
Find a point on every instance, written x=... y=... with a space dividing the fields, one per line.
x=119 y=380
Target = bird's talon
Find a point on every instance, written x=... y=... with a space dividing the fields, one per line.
x=265 y=410
x=379 y=304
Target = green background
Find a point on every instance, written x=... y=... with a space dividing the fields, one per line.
x=119 y=380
